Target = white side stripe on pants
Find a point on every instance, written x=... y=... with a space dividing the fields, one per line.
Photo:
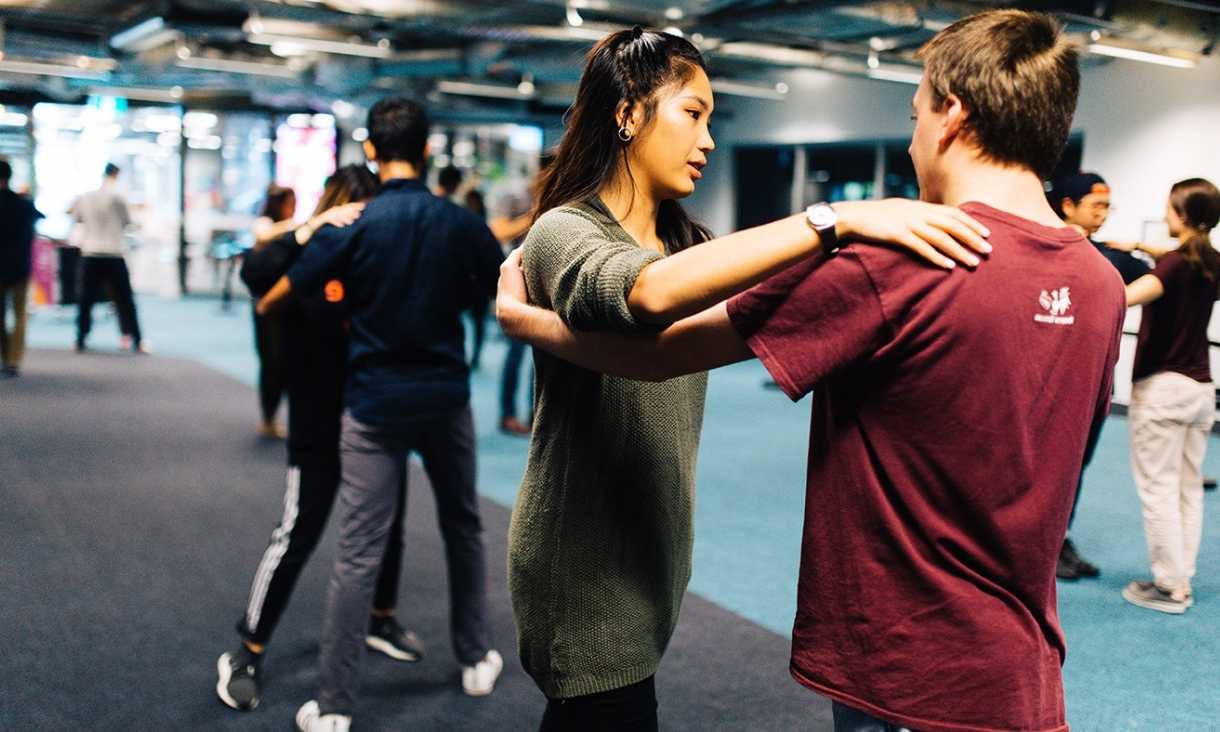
x=275 y=550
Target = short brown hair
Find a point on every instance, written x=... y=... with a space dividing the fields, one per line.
x=1017 y=75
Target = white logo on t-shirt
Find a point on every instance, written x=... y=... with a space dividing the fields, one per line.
x=1057 y=303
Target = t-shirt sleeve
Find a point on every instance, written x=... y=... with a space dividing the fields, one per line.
x=574 y=267
x=809 y=321
x=1168 y=268
x=325 y=258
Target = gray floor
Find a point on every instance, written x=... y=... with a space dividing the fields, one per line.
x=135 y=505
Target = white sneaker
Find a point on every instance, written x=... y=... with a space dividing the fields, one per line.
x=311 y=719
x=480 y=679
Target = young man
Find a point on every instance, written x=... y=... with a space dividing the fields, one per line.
x=950 y=409
x=410 y=266
x=1083 y=202
x=104 y=218
x=17 y=217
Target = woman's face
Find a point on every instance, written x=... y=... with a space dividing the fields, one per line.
x=1174 y=221
x=667 y=157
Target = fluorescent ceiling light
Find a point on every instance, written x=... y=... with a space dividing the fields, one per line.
x=908 y=75
x=86 y=67
x=143 y=36
x=13 y=119
x=771 y=53
x=473 y=89
x=1135 y=54
x=381 y=49
x=143 y=94
x=756 y=91
x=233 y=66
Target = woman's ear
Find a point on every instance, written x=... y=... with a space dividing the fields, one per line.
x=628 y=115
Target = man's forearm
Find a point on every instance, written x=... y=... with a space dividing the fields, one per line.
x=699 y=343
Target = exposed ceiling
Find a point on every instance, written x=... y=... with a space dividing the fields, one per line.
x=518 y=55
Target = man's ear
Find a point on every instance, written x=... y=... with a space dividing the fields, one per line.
x=370 y=152
x=1068 y=207
x=954 y=121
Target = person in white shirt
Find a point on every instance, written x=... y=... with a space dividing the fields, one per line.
x=104 y=218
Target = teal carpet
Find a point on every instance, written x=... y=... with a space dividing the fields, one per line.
x=1127 y=668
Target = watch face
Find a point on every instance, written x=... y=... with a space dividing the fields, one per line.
x=822 y=216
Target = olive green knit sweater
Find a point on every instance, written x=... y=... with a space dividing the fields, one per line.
x=599 y=550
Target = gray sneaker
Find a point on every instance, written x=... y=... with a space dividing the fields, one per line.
x=1148 y=595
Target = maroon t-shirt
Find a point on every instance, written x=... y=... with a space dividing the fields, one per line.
x=1173 y=329
x=950 y=413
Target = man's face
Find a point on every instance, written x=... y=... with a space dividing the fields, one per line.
x=1091 y=211
x=925 y=143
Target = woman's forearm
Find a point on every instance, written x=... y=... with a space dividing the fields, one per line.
x=264 y=235
x=697 y=278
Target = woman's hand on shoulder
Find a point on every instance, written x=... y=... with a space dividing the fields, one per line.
x=338 y=216
x=944 y=235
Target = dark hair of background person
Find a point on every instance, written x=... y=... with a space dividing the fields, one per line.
x=475 y=204
x=1018 y=77
x=277 y=201
x=1074 y=188
x=628 y=66
x=1197 y=202
x=347 y=184
x=398 y=130
x=111 y=170
x=6 y=172
x=449 y=178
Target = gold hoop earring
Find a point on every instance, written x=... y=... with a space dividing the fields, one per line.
x=624 y=134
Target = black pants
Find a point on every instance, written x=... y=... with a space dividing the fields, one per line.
x=308 y=499
x=629 y=709
x=92 y=273
x=272 y=369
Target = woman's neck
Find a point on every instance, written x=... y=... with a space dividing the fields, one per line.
x=1189 y=233
x=635 y=210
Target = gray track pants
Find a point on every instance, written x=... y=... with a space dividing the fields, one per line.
x=373 y=461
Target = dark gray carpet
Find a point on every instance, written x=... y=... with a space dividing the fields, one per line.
x=134 y=504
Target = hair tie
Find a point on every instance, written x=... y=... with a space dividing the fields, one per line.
x=636 y=32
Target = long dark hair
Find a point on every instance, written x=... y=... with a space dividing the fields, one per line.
x=1197 y=202
x=347 y=184
x=628 y=66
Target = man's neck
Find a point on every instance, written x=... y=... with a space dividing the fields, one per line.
x=1009 y=188
x=396 y=169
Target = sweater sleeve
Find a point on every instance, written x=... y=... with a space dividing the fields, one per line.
x=575 y=267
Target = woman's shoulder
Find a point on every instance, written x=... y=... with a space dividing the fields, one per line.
x=567 y=223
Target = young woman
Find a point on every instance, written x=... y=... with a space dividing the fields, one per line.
x=1172 y=396
x=276 y=220
x=600 y=541
x=315 y=345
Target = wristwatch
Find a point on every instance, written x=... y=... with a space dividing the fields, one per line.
x=823 y=219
